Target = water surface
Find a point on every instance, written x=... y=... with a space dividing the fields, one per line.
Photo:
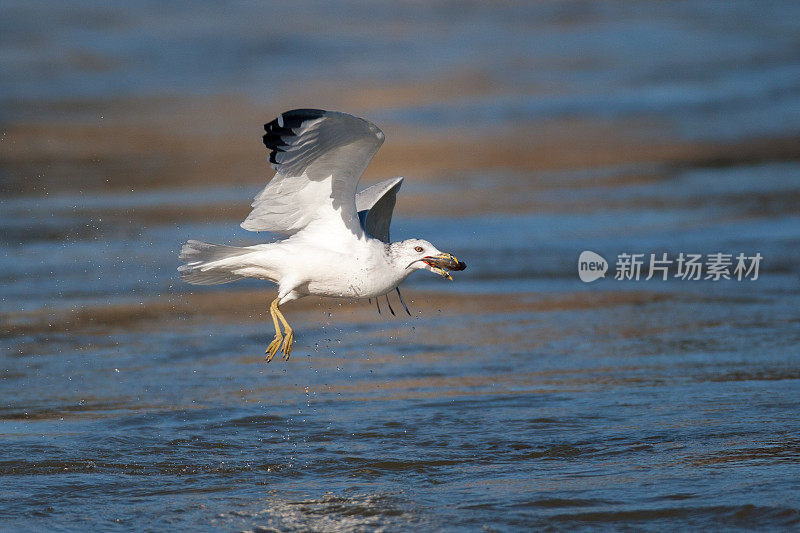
x=514 y=398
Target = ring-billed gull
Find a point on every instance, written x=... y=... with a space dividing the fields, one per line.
x=333 y=241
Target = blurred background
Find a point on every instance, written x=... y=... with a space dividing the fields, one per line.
x=516 y=396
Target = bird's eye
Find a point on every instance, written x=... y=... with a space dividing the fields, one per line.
x=418 y=248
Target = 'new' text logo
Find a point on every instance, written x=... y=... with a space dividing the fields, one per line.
x=591 y=266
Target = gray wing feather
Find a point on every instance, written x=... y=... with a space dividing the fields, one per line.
x=375 y=206
x=319 y=157
x=298 y=138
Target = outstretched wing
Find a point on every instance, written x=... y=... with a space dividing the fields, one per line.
x=375 y=206
x=319 y=157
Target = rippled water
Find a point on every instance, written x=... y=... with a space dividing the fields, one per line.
x=516 y=397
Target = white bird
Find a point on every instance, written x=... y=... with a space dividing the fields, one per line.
x=334 y=242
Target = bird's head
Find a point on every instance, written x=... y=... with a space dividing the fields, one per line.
x=418 y=254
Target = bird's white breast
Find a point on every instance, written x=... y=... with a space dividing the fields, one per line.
x=363 y=271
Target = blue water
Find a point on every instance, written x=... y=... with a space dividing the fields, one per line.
x=711 y=70
x=515 y=397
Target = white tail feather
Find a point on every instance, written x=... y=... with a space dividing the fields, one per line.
x=206 y=263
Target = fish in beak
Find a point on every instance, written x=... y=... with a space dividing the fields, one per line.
x=442 y=263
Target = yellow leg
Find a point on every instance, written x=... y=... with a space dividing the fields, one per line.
x=287 y=342
x=272 y=349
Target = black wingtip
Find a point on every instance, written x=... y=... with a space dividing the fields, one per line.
x=295 y=117
x=282 y=128
x=390 y=305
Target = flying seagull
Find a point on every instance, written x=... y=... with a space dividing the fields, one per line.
x=333 y=242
